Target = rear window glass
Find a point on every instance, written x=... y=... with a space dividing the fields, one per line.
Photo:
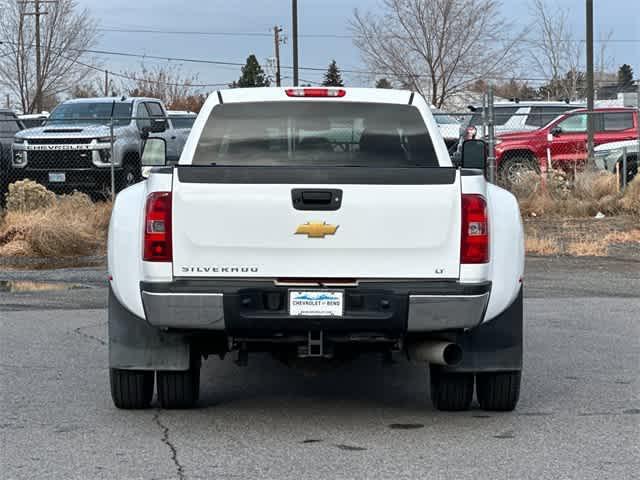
x=8 y=124
x=315 y=134
x=541 y=116
x=618 y=121
x=182 y=122
x=502 y=114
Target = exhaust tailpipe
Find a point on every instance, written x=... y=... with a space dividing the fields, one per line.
x=437 y=352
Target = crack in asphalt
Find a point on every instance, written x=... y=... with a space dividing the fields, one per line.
x=89 y=336
x=174 y=452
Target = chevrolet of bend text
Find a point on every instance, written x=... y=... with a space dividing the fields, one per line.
x=317 y=225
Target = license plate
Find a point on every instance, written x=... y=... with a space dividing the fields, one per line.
x=316 y=303
x=57 y=177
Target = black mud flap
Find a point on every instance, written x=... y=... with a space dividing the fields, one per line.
x=493 y=346
x=136 y=345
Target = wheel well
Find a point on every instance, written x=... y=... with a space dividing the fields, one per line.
x=131 y=158
x=517 y=154
x=632 y=158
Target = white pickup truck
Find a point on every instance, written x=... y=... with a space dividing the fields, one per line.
x=316 y=224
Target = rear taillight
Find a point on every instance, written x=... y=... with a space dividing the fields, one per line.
x=474 y=244
x=315 y=92
x=157 y=228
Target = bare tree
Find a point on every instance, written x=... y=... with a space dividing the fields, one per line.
x=558 y=55
x=65 y=33
x=177 y=91
x=436 y=47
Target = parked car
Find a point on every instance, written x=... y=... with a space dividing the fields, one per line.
x=449 y=128
x=31 y=120
x=563 y=141
x=73 y=149
x=278 y=232
x=182 y=119
x=610 y=156
x=10 y=124
x=517 y=116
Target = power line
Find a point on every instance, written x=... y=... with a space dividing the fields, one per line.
x=168 y=59
x=159 y=82
x=323 y=35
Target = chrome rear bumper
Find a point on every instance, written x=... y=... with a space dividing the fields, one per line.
x=406 y=311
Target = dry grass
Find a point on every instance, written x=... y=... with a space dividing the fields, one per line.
x=584 y=196
x=67 y=226
x=542 y=246
x=587 y=248
x=583 y=237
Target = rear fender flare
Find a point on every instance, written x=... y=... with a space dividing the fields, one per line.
x=124 y=251
x=507 y=250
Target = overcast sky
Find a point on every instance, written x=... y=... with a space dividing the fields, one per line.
x=315 y=17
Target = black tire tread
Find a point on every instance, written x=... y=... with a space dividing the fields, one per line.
x=451 y=392
x=178 y=389
x=131 y=389
x=498 y=391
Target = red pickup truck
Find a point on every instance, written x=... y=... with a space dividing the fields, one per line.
x=562 y=143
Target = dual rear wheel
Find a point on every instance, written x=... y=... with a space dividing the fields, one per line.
x=496 y=391
x=133 y=389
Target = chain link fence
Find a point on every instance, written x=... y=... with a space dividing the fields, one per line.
x=549 y=138
x=96 y=156
x=101 y=156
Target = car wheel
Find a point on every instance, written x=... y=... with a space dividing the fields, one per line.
x=451 y=391
x=179 y=389
x=498 y=391
x=129 y=175
x=131 y=389
x=514 y=171
x=632 y=170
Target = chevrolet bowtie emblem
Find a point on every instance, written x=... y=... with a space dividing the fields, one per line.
x=316 y=229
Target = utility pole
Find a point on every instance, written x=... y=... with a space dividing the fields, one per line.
x=8 y=101
x=294 y=33
x=590 y=87
x=276 y=38
x=106 y=83
x=36 y=13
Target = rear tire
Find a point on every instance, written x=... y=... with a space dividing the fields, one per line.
x=632 y=170
x=498 y=391
x=179 y=389
x=129 y=175
x=513 y=171
x=131 y=389
x=451 y=392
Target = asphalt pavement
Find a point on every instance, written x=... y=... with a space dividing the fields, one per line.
x=578 y=416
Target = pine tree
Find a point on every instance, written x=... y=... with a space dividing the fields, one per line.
x=252 y=75
x=333 y=78
x=383 y=83
x=625 y=76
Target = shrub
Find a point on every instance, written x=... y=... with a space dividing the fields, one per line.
x=27 y=195
x=37 y=223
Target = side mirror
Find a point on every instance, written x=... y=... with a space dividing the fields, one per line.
x=474 y=154
x=154 y=154
x=158 y=125
x=556 y=131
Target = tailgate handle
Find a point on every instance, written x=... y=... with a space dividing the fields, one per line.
x=316 y=198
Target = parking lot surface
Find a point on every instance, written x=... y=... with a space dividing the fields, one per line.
x=578 y=417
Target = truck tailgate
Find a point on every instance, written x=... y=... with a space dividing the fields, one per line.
x=226 y=228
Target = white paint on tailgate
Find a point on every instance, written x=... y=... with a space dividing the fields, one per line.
x=384 y=231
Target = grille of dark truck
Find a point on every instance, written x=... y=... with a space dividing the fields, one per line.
x=59 y=160
x=59 y=141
